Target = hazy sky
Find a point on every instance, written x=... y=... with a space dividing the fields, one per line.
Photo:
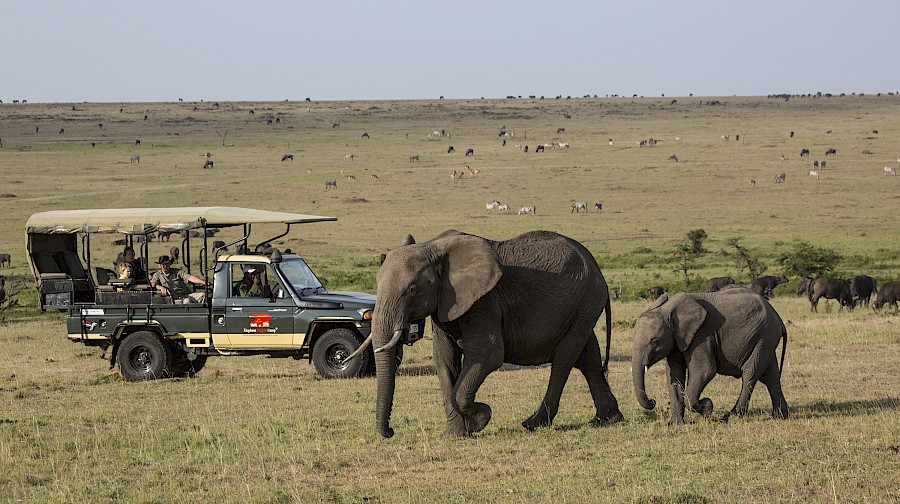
x=163 y=50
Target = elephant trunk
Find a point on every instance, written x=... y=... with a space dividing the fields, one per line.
x=637 y=372
x=386 y=372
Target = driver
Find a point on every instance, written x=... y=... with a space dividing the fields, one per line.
x=251 y=284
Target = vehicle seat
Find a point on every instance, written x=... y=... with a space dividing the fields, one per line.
x=104 y=275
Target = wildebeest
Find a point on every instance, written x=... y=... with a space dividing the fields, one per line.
x=135 y=158
x=366 y=135
x=208 y=164
x=5 y=260
x=287 y=157
x=413 y=158
x=715 y=284
x=656 y=291
x=579 y=205
x=804 y=152
x=861 y=289
x=528 y=210
x=450 y=149
x=673 y=157
x=470 y=152
x=815 y=165
x=831 y=152
x=137 y=142
x=888 y=294
x=779 y=179
x=830 y=288
x=768 y=283
x=803 y=288
x=331 y=184
x=598 y=206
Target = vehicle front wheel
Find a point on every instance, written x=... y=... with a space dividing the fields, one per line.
x=144 y=356
x=331 y=350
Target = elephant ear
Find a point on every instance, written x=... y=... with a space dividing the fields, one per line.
x=685 y=316
x=470 y=269
x=661 y=300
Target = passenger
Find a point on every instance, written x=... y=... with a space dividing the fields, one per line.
x=251 y=284
x=174 y=282
x=126 y=277
x=138 y=270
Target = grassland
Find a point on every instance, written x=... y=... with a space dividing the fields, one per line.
x=269 y=430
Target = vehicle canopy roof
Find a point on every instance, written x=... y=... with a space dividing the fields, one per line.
x=139 y=221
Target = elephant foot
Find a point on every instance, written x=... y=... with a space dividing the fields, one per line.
x=676 y=420
x=724 y=418
x=704 y=407
x=540 y=418
x=455 y=432
x=477 y=418
x=608 y=420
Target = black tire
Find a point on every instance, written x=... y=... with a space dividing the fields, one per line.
x=182 y=366
x=144 y=356
x=331 y=349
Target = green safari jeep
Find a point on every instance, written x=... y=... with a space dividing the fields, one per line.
x=289 y=314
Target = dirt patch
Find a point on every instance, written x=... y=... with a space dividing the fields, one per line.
x=356 y=200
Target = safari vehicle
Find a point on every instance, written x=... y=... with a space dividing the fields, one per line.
x=150 y=336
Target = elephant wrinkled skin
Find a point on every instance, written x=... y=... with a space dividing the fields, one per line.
x=530 y=300
x=733 y=332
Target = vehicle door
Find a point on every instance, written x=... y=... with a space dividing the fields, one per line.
x=257 y=319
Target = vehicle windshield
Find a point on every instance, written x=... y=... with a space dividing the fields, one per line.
x=300 y=276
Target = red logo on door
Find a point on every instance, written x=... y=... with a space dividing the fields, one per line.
x=260 y=320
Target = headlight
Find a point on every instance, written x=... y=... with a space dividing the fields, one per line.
x=365 y=313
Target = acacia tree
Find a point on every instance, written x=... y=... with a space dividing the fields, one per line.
x=696 y=237
x=744 y=259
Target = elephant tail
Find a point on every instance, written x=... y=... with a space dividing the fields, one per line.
x=608 y=334
x=783 y=349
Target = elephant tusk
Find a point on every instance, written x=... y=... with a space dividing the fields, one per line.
x=391 y=344
x=361 y=349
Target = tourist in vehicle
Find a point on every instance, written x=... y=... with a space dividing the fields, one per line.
x=137 y=269
x=174 y=282
x=125 y=274
x=251 y=284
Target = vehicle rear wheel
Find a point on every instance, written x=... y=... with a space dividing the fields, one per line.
x=144 y=356
x=331 y=350
x=183 y=366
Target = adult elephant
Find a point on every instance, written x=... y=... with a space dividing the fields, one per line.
x=530 y=300
x=830 y=288
x=733 y=332
x=768 y=283
x=716 y=284
x=861 y=289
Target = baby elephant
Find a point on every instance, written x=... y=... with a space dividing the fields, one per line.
x=733 y=332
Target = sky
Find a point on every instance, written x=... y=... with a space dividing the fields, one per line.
x=225 y=50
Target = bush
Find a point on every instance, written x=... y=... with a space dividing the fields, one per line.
x=806 y=260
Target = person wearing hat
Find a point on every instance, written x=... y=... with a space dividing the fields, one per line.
x=251 y=284
x=174 y=282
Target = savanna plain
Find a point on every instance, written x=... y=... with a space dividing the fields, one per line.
x=271 y=430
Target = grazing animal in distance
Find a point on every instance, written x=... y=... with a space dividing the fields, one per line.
x=5 y=260
x=135 y=158
x=287 y=157
x=450 y=149
x=814 y=173
x=673 y=157
x=490 y=207
x=831 y=152
x=331 y=184
x=373 y=176
x=815 y=165
x=470 y=152
x=366 y=135
x=137 y=142
x=351 y=178
x=598 y=206
x=804 y=152
x=579 y=205
x=678 y=139
x=528 y=210
x=349 y=157
x=503 y=208
x=890 y=170
x=779 y=179
x=208 y=164
x=752 y=183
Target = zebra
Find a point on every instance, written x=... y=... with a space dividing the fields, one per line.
x=779 y=179
x=135 y=158
x=332 y=183
x=579 y=205
x=490 y=207
x=527 y=210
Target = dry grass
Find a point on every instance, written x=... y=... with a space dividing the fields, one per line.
x=269 y=430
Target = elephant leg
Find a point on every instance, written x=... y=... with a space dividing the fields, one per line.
x=700 y=376
x=562 y=364
x=590 y=363
x=482 y=351
x=677 y=374
x=772 y=380
x=447 y=363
